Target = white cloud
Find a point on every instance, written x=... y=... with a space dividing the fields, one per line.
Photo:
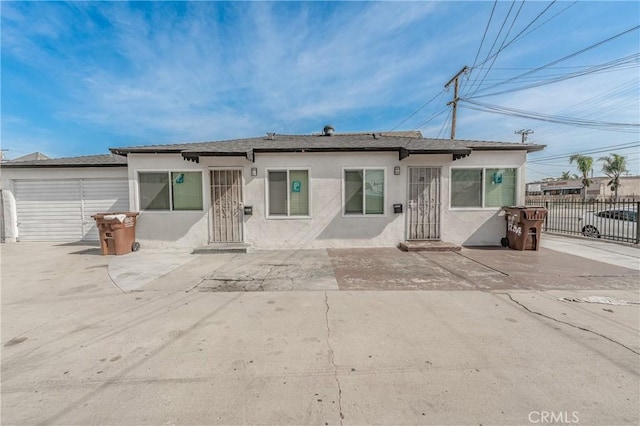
x=167 y=72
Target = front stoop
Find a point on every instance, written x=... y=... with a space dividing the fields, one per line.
x=428 y=246
x=217 y=248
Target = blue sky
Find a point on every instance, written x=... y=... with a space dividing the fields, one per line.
x=80 y=77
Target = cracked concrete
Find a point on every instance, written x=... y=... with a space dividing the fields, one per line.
x=163 y=354
x=332 y=359
x=569 y=324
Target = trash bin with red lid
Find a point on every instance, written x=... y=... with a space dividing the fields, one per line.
x=117 y=232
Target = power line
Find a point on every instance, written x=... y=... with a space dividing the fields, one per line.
x=612 y=99
x=597 y=150
x=593 y=46
x=570 y=121
x=517 y=36
x=493 y=9
x=418 y=110
x=486 y=29
x=617 y=64
x=442 y=129
x=430 y=118
x=504 y=22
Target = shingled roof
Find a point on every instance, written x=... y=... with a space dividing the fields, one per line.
x=106 y=160
x=405 y=144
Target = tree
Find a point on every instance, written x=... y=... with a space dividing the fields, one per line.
x=613 y=166
x=584 y=164
x=568 y=175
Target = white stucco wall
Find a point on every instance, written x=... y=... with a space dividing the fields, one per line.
x=481 y=227
x=9 y=175
x=9 y=217
x=327 y=227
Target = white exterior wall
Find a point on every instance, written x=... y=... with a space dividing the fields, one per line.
x=477 y=226
x=9 y=175
x=326 y=227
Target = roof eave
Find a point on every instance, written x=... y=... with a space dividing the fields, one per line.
x=126 y=151
x=528 y=148
x=46 y=166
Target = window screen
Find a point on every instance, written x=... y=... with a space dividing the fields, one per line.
x=186 y=190
x=154 y=191
x=277 y=193
x=466 y=188
x=500 y=187
x=363 y=191
x=374 y=191
x=299 y=193
x=353 y=192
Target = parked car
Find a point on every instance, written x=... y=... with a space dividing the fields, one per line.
x=617 y=224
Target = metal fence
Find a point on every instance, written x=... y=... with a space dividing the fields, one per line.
x=608 y=220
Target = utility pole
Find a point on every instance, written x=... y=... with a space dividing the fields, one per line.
x=524 y=133
x=455 y=100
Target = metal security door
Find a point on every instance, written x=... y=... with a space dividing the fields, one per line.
x=227 y=209
x=424 y=203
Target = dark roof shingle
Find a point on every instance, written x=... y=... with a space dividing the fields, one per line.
x=412 y=144
x=105 y=160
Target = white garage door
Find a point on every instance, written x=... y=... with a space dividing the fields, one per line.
x=60 y=210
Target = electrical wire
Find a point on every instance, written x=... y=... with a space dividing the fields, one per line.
x=564 y=58
x=504 y=22
x=418 y=110
x=626 y=62
x=431 y=117
x=597 y=150
x=570 y=121
x=493 y=9
x=486 y=29
x=444 y=124
x=518 y=36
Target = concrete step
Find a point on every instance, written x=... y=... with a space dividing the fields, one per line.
x=216 y=248
x=428 y=246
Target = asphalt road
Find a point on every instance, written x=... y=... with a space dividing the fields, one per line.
x=352 y=348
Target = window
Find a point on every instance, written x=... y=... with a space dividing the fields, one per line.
x=479 y=188
x=288 y=193
x=170 y=190
x=363 y=191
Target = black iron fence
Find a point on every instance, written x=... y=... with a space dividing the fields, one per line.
x=617 y=221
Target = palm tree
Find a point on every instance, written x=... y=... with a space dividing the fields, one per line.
x=613 y=166
x=584 y=164
x=568 y=175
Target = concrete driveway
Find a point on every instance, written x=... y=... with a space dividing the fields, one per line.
x=376 y=269
x=177 y=349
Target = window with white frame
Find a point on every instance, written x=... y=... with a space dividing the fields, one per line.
x=364 y=191
x=172 y=191
x=288 y=193
x=483 y=187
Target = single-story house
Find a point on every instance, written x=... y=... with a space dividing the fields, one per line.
x=279 y=191
x=47 y=199
x=325 y=190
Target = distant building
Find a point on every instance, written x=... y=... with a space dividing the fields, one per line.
x=629 y=187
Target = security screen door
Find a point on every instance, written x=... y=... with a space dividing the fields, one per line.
x=424 y=203
x=227 y=208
